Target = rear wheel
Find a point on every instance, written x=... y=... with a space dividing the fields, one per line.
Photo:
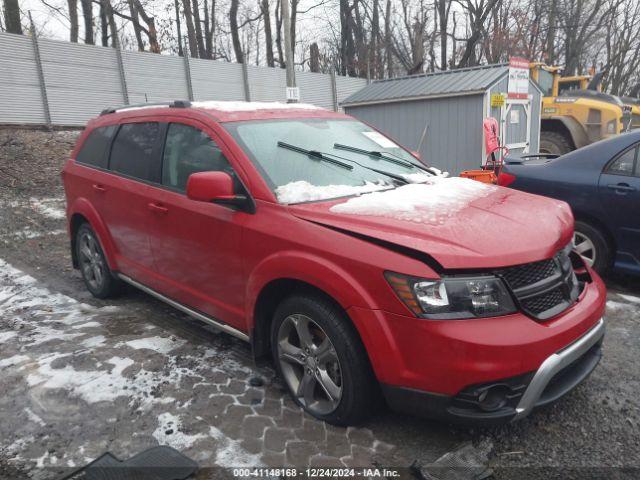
x=592 y=246
x=321 y=359
x=555 y=143
x=95 y=271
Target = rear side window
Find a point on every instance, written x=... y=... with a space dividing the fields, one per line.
x=190 y=150
x=624 y=164
x=135 y=151
x=94 y=149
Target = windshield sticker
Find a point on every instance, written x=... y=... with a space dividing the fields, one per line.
x=380 y=139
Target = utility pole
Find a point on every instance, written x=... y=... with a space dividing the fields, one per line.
x=292 y=96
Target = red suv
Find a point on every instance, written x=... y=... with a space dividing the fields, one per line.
x=363 y=272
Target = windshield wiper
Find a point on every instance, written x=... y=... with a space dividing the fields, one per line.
x=373 y=153
x=384 y=156
x=327 y=158
x=313 y=154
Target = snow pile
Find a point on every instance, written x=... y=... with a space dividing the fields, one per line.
x=303 y=191
x=251 y=106
x=431 y=202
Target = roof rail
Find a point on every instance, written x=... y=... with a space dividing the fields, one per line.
x=173 y=104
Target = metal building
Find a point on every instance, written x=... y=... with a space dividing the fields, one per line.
x=440 y=114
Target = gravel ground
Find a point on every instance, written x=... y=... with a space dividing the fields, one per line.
x=82 y=376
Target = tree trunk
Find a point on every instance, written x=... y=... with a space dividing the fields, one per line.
x=314 y=57
x=279 y=34
x=551 y=35
x=73 y=20
x=202 y=53
x=443 y=18
x=268 y=36
x=87 y=16
x=178 y=28
x=292 y=30
x=208 y=37
x=235 y=34
x=104 y=26
x=12 y=16
x=136 y=25
x=388 y=39
x=191 y=32
x=152 y=33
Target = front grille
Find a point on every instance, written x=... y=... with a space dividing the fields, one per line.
x=546 y=288
x=544 y=302
x=530 y=273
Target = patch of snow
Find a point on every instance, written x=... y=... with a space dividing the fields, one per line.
x=5 y=336
x=613 y=305
x=93 y=342
x=252 y=106
x=629 y=298
x=168 y=433
x=86 y=325
x=49 y=207
x=34 y=418
x=231 y=454
x=157 y=344
x=303 y=191
x=431 y=202
x=15 y=360
x=422 y=177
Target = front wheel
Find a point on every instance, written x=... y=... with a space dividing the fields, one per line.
x=320 y=357
x=93 y=265
x=592 y=246
x=555 y=143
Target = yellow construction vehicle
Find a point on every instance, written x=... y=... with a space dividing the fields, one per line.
x=633 y=101
x=575 y=112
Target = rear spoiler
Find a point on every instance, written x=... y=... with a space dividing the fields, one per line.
x=523 y=158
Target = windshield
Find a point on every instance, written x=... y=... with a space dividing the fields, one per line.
x=297 y=177
x=545 y=81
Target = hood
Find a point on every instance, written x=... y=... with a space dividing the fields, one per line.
x=461 y=225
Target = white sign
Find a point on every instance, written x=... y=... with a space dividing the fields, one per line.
x=515 y=116
x=518 y=78
x=293 y=94
x=380 y=139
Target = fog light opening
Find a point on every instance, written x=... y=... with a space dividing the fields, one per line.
x=493 y=398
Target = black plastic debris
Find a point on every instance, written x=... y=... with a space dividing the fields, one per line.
x=157 y=463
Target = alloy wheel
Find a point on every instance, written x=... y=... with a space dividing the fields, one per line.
x=585 y=247
x=309 y=364
x=91 y=261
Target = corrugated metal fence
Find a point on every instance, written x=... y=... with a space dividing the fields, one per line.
x=61 y=83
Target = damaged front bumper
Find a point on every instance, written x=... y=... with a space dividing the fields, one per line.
x=512 y=398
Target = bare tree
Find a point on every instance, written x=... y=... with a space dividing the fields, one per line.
x=12 y=16
x=87 y=17
x=73 y=20
x=268 y=37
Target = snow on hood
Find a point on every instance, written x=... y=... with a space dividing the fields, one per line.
x=303 y=191
x=431 y=202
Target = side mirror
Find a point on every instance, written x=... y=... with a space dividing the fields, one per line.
x=216 y=187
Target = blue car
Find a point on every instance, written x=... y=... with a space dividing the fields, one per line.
x=601 y=183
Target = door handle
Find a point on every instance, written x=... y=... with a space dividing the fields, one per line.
x=99 y=188
x=154 y=207
x=622 y=187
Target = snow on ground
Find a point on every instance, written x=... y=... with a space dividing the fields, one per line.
x=49 y=207
x=630 y=298
x=303 y=191
x=50 y=341
x=430 y=202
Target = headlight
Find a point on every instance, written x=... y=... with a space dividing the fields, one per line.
x=453 y=297
x=612 y=126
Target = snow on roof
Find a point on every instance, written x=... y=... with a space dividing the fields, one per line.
x=228 y=106
x=431 y=202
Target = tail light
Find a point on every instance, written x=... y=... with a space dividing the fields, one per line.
x=506 y=179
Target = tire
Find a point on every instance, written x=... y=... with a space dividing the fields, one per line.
x=359 y=393
x=593 y=246
x=554 y=142
x=97 y=276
